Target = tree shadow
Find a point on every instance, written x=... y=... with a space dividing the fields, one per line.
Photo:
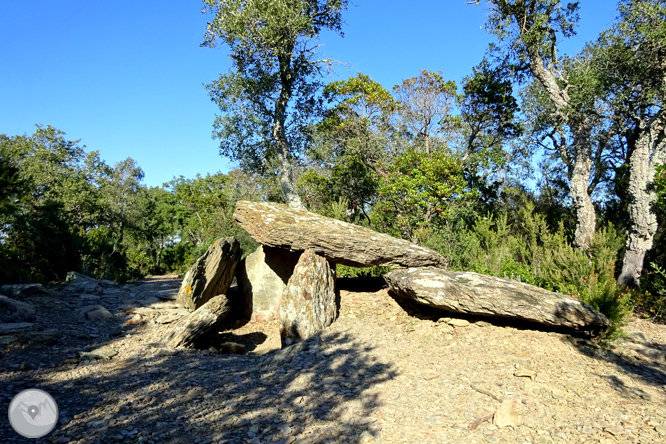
x=636 y=357
x=317 y=390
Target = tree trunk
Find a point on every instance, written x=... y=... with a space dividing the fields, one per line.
x=650 y=149
x=579 y=171
x=280 y=137
x=586 y=218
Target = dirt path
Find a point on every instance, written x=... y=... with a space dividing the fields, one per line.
x=377 y=375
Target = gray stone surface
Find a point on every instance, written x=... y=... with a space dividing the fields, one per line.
x=262 y=277
x=277 y=225
x=95 y=313
x=15 y=327
x=24 y=290
x=12 y=310
x=211 y=275
x=79 y=283
x=477 y=294
x=196 y=328
x=309 y=301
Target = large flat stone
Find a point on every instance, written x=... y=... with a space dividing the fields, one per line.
x=478 y=294
x=278 y=225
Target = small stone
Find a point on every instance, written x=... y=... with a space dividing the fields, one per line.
x=366 y=438
x=615 y=431
x=661 y=430
x=284 y=429
x=105 y=352
x=508 y=413
x=429 y=375
x=25 y=366
x=524 y=374
x=458 y=323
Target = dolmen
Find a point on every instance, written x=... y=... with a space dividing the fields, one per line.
x=291 y=279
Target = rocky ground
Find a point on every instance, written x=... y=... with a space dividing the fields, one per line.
x=382 y=373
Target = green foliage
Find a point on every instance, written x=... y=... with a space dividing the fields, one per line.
x=64 y=210
x=345 y=271
x=487 y=121
x=419 y=190
x=270 y=96
x=528 y=250
x=349 y=180
x=650 y=299
x=359 y=122
x=425 y=106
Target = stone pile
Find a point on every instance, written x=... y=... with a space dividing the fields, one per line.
x=291 y=278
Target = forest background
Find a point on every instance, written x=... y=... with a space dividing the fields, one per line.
x=539 y=166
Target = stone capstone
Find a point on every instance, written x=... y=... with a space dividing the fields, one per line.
x=309 y=302
x=477 y=294
x=280 y=226
x=211 y=275
x=198 y=327
x=262 y=277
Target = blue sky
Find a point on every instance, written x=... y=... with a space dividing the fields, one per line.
x=126 y=76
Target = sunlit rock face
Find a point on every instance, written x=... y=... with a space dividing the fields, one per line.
x=309 y=301
x=280 y=226
x=478 y=294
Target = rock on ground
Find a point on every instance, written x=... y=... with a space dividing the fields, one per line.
x=508 y=413
x=262 y=277
x=477 y=294
x=79 y=283
x=95 y=313
x=278 y=225
x=197 y=327
x=15 y=311
x=211 y=274
x=309 y=301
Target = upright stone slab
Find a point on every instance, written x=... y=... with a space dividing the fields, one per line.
x=309 y=302
x=478 y=294
x=262 y=277
x=277 y=225
x=211 y=274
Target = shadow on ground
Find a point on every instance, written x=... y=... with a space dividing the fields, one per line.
x=305 y=391
x=639 y=358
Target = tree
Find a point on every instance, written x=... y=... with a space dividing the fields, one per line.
x=487 y=121
x=269 y=96
x=419 y=189
x=426 y=103
x=50 y=204
x=530 y=29
x=360 y=122
x=630 y=61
